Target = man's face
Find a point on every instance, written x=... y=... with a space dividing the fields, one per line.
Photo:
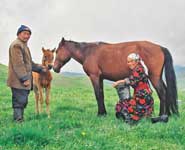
x=24 y=36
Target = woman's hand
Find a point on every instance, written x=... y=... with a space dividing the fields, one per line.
x=118 y=82
x=114 y=84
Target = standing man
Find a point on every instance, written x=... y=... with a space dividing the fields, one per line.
x=20 y=72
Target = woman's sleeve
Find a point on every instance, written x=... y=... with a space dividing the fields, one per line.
x=127 y=81
x=137 y=75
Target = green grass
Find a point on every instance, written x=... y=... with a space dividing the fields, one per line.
x=74 y=124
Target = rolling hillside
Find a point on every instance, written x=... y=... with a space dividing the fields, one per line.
x=180 y=73
x=74 y=124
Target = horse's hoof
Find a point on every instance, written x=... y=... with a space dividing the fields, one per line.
x=162 y=118
x=155 y=120
x=118 y=115
x=103 y=114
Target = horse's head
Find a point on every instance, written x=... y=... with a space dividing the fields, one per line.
x=48 y=56
x=63 y=55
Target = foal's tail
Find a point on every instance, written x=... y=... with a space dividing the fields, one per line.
x=171 y=90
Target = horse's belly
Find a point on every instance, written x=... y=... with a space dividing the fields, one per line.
x=44 y=82
x=114 y=76
x=114 y=70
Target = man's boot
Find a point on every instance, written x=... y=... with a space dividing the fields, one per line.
x=22 y=113
x=18 y=114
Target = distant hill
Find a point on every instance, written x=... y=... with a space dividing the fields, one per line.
x=179 y=70
x=72 y=74
x=3 y=73
x=180 y=74
x=3 y=68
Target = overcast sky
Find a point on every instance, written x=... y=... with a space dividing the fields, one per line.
x=159 y=21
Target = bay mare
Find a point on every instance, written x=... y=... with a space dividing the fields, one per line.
x=109 y=61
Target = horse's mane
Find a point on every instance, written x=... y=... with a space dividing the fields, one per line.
x=87 y=43
x=84 y=45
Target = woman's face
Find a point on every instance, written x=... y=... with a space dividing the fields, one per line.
x=131 y=63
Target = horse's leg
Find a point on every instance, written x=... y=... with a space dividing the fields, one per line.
x=102 y=105
x=160 y=87
x=98 y=89
x=40 y=98
x=47 y=101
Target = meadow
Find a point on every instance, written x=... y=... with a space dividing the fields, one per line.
x=74 y=124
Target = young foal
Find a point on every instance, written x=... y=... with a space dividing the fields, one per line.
x=42 y=81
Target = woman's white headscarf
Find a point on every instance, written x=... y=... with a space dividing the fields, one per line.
x=137 y=58
x=134 y=57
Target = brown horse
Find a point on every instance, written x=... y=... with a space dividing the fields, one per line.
x=43 y=81
x=109 y=61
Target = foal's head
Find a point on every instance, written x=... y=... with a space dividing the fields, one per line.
x=48 y=56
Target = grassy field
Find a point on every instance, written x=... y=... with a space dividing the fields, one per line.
x=74 y=124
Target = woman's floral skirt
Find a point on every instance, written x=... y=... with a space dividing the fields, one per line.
x=132 y=110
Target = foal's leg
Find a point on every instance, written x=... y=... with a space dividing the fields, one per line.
x=37 y=102
x=36 y=93
x=40 y=97
x=47 y=101
x=161 y=91
x=98 y=89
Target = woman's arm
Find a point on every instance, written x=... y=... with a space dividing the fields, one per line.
x=118 y=82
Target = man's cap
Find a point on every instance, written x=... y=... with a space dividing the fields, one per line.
x=23 y=28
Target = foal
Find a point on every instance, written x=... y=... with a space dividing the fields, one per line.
x=42 y=81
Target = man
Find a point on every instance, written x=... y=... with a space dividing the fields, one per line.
x=20 y=72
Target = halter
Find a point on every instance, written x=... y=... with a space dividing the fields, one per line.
x=45 y=61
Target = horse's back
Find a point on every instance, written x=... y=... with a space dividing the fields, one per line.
x=118 y=52
x=112 y=58
x=128 y=45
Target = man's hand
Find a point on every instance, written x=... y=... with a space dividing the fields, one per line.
x=26 y=83
x=44 y=69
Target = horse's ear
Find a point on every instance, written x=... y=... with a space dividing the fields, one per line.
x=43 y=50
x=53 y=50
x=63 y=41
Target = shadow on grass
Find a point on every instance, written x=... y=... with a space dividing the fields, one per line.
x=24 y=135
x=69 y=108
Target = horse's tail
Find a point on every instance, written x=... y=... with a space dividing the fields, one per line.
x=171 y=90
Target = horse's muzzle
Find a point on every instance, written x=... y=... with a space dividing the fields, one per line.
x=56 y=70
x=50 y=67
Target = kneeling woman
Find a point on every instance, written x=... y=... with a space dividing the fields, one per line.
x=141 y=105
